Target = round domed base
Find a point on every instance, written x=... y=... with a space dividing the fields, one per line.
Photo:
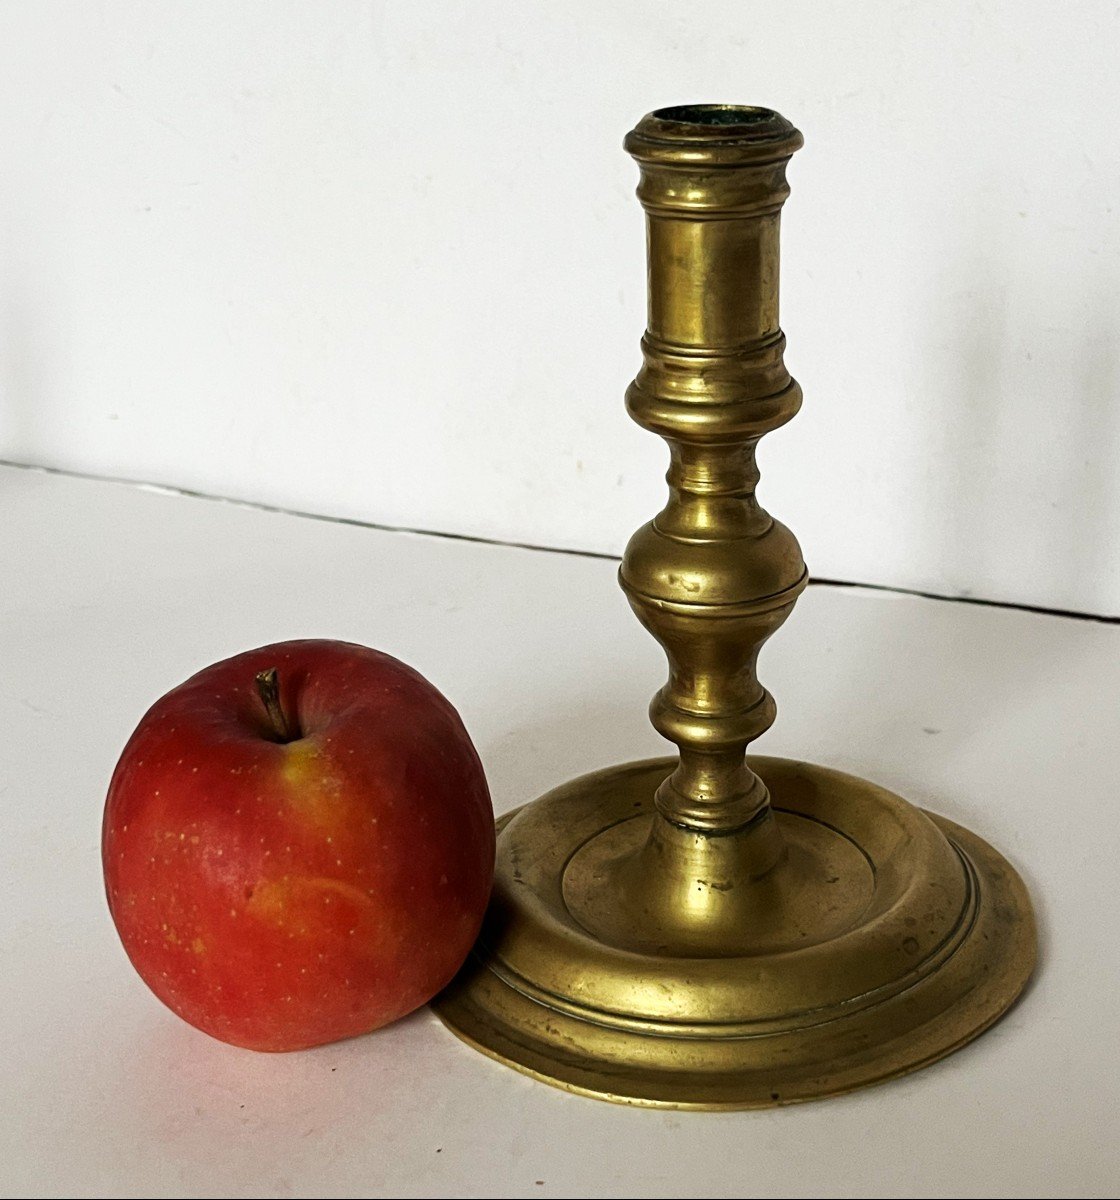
x=883 y=939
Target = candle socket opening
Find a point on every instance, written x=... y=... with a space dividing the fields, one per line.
x=715 y=114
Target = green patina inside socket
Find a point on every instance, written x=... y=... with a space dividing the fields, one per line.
x=714 y=114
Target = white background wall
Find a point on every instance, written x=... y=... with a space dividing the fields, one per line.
x=382 y=260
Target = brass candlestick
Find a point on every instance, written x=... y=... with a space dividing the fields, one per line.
x=717 y=931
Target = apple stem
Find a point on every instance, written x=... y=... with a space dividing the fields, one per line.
x=268 y=688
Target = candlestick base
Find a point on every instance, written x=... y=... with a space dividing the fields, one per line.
x=883 y=939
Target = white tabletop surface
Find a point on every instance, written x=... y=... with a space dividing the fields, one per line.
x=110 y=594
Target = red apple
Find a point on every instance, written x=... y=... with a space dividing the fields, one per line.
x=298 y=845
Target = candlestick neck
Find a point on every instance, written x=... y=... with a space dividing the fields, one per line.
x=713 y=575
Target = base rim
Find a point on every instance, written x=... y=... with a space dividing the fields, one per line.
x=912 y=1028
